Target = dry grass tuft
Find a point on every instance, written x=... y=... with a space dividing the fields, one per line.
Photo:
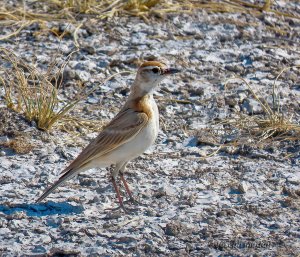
x=272 y=125
x=36 y=94
x=257 y=131
x=32 y=92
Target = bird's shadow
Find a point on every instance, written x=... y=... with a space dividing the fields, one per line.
x=41 y=209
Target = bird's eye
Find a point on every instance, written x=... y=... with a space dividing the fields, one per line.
x=155 y=70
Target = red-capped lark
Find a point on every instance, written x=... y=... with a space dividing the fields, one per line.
x=129 y=134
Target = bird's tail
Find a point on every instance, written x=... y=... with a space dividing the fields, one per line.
x=68 y=175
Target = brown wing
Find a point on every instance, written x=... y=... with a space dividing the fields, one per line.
x=119 y=131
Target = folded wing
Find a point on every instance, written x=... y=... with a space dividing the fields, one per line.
x=123 y=128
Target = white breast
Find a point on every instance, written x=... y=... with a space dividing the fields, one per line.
x=140 y=143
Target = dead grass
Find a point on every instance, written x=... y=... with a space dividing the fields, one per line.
x=37 y=94
x=25 y=13
x=32 y=92
x=20 y=145
x=273 y=125
x=75 y=125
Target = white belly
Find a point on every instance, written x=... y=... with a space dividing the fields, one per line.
x=135 y=147
x=139 y=144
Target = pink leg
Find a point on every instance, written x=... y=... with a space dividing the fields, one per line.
x=118 y=194
x=129 y=191
x=126 y=187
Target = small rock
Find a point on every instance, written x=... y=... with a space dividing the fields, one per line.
x=126 y=239
x=4 y=139
x=69 y=73
x=87 y=182
x=231 y=100
x=96 y=199
x=83 y=76
x=150 y=212
x=52 y=158
x=221 y=213
x=176 y=246
x=243 y=187
x=173 y=229
x=40 y=230
x=91 y=231
x=15 y=166
x=113 y=215
x=33 y=124
x=197 y=91
x=92 y=100
x=294 y=178
x=235 y=68
x=242 y=96
x=89 y=49
x=64 y=252
x=39 y=249
x=251 y=106
x=103 y=64
x=54 y=222
x=4 y=231
x=166 y=190
x=63 y=153
x=275 y=226
x=46 y=239
x=211 y=221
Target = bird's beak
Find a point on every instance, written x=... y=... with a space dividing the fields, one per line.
x=170 y=71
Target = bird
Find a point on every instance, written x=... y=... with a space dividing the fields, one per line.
x=129 y=134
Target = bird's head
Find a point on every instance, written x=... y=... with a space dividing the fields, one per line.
x=151 y=73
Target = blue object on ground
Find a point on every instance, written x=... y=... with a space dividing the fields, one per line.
x=42 y=209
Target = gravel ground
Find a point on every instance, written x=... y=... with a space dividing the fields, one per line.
x=239 y=201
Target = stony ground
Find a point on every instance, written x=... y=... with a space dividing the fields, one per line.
x=195 y=200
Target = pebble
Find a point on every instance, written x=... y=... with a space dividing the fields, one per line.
x=243 y=187
x=39 y=249
x=4 y=139
x=54 y=222
x=83 y=76
x=69 y=73
x=46 y=239
x=87 y=182
x=103 y=64
x=93 y=100
x=172 y=229
x=167 y=190
x=252 y=106
x=238 y=69
x=294 y=178
x=89 y=49
x=231 y=100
